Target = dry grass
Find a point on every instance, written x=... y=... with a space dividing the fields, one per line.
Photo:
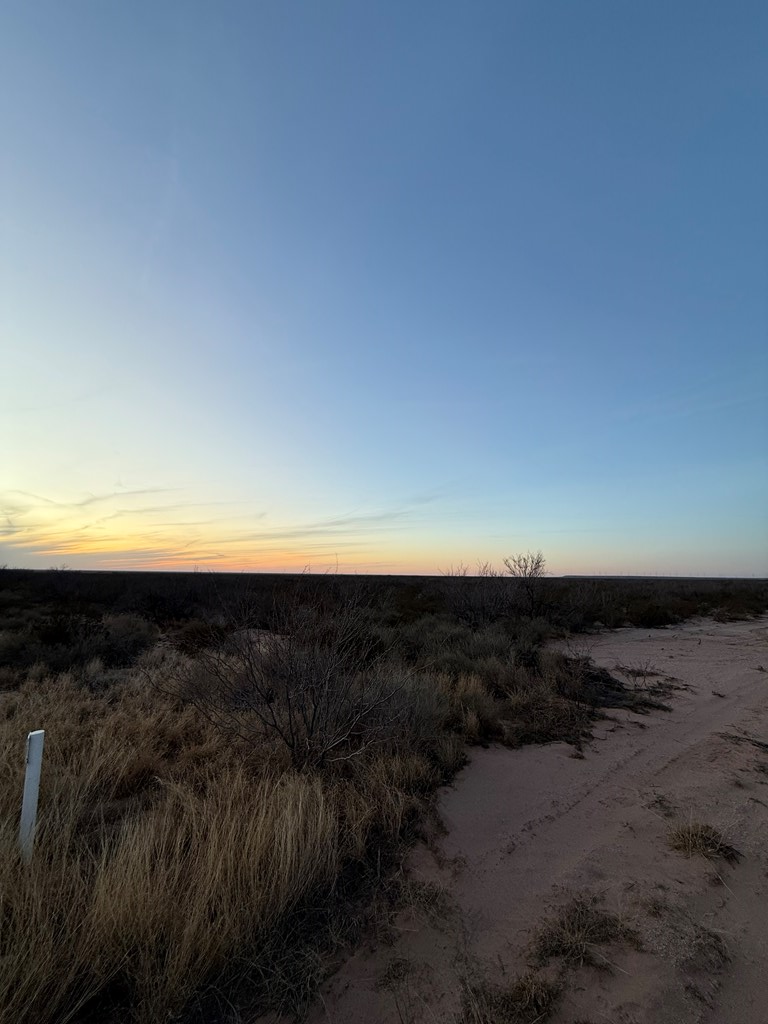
x=171 y=858
x=426 y=900
x=574 y=935
x=697 y=839
x=165 y=859
x=529 y=999
x=176 y=856
x=166 y=900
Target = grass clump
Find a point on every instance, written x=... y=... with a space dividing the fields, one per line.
x=529 y=999
x=581 y=926
x=699 y=840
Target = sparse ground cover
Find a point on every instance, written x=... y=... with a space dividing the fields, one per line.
x=579 y=931
x=563 y=872
x=231 y=776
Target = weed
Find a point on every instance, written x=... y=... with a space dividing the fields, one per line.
x=530 y=999
x=581 y=926
x=697 y=839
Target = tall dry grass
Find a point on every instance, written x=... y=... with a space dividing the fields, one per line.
x=165 y=902
x=165 y=858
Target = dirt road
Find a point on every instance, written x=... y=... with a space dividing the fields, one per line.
x=526 y=829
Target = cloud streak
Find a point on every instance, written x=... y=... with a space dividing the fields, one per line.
x=93 y=499
x=158 y=535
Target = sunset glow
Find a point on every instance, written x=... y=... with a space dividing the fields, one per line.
x=384 y=288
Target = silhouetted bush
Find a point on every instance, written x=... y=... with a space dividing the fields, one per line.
x=124 y=638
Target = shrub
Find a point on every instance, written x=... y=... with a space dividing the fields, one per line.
x=529 y=569
x=300 y=685
x=125 y=638
x=537 y=715
x=475 y=710
x=196 y=634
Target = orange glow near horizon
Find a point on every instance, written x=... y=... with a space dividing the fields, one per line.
x=88 y=543
x=107 y=533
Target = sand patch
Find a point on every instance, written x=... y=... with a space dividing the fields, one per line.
x=527 y=831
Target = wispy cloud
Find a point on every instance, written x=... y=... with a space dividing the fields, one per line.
x=228 y=533
x=702 y=396
x=93 y=499
x=153 y=510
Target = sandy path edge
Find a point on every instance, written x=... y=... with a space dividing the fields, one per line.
x=526 y=828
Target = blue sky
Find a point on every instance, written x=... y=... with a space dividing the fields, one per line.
x=384 y=285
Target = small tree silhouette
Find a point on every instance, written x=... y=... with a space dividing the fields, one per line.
x=529 y=568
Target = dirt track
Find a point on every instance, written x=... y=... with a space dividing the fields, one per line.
x=526 y=828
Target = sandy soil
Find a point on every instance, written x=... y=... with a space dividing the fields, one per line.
x=526 y=829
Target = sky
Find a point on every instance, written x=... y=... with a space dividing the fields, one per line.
x=384 y=286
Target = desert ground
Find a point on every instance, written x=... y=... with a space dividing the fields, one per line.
x=523 y=833
x=465 y=799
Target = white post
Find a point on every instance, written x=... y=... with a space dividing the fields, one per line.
x=31 y=788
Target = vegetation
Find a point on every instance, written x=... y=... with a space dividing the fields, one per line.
x=697 y=839
x=234 y=764
x=529 y=568
x=580 y=927
x=529 y=999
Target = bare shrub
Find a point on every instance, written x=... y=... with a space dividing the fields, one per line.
x=487 y=570
x=314 y=682
x=529 y=568
x=455 y=570
x=477 y=600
